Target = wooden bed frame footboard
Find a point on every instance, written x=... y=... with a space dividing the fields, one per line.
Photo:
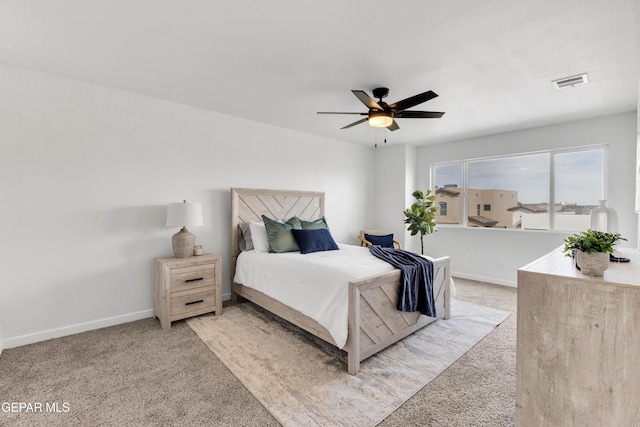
x=374 y=321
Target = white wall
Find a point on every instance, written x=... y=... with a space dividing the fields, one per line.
x=411 y=243
x=395 y=176
x=495 y=255
x=86 y=173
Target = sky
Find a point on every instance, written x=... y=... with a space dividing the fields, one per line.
x=578 y=176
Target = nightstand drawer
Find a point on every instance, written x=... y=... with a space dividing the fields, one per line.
x=186 y=302
x=192 y=277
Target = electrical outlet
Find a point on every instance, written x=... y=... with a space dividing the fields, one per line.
x=500 y=263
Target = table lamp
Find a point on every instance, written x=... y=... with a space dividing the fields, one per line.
x=182 y=215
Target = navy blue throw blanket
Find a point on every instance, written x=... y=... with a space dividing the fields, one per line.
x=417 y=279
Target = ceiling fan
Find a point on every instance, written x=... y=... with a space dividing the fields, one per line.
x=381 y=114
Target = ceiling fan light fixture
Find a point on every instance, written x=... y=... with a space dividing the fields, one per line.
x=380 y=119
x=380 y=114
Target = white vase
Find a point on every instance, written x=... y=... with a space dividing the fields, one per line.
x=603 y=218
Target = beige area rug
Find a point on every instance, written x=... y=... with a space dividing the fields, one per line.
x=302 y=385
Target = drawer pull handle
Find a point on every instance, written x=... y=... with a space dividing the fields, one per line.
x=194 y=280
x=195 y=302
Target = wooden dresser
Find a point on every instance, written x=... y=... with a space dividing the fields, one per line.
x=578 y=348
x=186 y=287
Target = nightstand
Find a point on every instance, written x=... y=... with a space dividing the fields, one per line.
x=186 y=287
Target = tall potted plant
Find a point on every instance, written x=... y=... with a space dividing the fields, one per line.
x=591 y=250
x=421 y=216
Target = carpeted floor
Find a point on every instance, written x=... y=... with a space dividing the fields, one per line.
x=137 y=374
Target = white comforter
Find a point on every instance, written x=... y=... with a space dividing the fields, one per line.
x=315 y=284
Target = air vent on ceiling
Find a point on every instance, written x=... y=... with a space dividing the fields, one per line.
x=572 y=81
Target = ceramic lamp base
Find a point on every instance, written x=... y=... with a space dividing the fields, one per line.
x=183 y=242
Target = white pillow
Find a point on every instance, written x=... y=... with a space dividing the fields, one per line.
x=259 y=236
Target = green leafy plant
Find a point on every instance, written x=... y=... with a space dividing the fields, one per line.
x=591 y=241
x=421 y=216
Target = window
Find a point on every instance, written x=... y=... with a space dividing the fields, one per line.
x=578 y=187
x=516 y=192
x=443 y=209
x=449 y=192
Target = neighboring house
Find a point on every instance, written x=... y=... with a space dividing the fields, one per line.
x=525 y=209
x=481 y=221
x=493 y=204
x=500 y=209
x=450 y=203
x=485 y=207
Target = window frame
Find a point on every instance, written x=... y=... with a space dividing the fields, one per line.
x=552 y=181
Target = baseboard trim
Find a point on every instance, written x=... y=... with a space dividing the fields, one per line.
x=73 y=329
x=485 y=279
x=117 y=320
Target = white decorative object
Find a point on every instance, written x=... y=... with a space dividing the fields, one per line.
x=603 y=218
x=183 y=215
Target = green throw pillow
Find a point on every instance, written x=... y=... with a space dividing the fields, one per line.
x=279 y=234
x=314 y=225
x=294 y=221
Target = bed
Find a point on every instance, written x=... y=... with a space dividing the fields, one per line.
x=373 y=322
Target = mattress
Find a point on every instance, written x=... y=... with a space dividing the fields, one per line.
x=315 y=284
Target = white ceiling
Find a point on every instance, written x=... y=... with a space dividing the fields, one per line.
x=281 y=61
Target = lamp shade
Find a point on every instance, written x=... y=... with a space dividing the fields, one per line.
x=184 y=214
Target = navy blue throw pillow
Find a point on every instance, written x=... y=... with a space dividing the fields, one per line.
x=314 y=240
x=385 y=241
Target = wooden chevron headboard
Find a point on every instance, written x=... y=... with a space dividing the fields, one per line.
x=249 y=204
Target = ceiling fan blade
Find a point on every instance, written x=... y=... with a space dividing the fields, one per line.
x=355 y=123
x=418 y=115
x=393 y=126
x=367 y=100
x=413 y=101
x=335 y=112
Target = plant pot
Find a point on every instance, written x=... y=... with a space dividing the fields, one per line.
x=592 y=264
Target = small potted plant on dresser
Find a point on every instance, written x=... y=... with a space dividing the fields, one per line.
x=591 y=250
